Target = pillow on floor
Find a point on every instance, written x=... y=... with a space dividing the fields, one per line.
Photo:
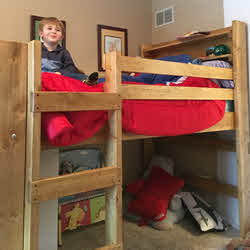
x=153 y=195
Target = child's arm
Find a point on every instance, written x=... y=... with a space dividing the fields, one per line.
x=68 y=65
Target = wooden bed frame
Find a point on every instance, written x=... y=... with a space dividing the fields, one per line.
x=20 y=141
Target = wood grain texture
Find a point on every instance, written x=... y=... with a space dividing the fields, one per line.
x=113 y=148
x=75 y=101
x=134 y=64
x=84 y=181
x=33 y=146
x=13 y=80
x=142 y=92
x=242 y=122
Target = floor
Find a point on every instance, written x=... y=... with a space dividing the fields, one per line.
x=183 y=236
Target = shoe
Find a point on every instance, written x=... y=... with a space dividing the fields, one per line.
x=92 y=79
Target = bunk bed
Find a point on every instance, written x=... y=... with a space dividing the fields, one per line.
x=27 y=158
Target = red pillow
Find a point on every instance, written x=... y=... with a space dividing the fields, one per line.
x=152 y=199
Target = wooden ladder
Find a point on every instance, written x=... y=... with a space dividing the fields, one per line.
x=110 y=177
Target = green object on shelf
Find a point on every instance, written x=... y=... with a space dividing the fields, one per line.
x=218 y=50
x=221 y=50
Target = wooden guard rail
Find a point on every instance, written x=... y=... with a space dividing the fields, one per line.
x=60 y=186
x=75 y=101
x=134 y=64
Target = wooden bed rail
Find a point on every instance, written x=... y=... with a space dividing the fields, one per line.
x=134 y=64
x=60 y=186
x=73 y=101
x=21 y=131
x=179 y=93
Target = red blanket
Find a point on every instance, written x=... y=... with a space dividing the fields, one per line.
x=149 y=117
x=68 y=128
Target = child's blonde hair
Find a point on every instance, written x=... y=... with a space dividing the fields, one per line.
x=51 y=20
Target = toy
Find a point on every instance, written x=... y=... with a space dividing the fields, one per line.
x=218 y=50
x=176 y=211
x=155 y=200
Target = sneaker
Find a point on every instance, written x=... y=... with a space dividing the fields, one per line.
x=92 y=79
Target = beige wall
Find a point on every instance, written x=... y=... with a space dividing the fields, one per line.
x=189 y=15
x=82 y=17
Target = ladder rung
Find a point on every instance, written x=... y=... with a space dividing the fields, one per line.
x=75 y=101
x=111 y=247
x=88 y=180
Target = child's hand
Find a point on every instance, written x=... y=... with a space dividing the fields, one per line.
x=58 y=73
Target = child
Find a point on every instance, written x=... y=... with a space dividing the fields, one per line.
x=55 y=58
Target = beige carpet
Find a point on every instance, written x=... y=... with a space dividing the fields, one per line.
x=183 y=236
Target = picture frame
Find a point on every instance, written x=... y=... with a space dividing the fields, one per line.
x=34 y=24
x=111 y=38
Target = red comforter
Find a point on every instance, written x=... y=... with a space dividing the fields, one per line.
x=149 y=117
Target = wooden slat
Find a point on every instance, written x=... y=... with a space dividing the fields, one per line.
x=113 y=148
x=134 y=64
x=211 y=185
x=126 y=136
x=242 y=122
x=75 y=101
x=213 y=34
x=209 y=58
x=111 y=247
x=13 y=80
x=60 y=186
x=175 y=93
x=33 y=141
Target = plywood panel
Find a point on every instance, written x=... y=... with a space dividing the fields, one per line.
x=13 y=79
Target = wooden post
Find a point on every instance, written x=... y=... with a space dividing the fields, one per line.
x=33 y=144
x=143 y=47
x=13 y=79
x=113 y=155
x=241 y=123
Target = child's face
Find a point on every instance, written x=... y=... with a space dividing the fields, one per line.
x=51 y=34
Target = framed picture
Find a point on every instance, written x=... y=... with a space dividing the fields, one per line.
x=34 y=34
x=110 y=39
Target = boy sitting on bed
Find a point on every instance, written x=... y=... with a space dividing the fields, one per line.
x=56 y=59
